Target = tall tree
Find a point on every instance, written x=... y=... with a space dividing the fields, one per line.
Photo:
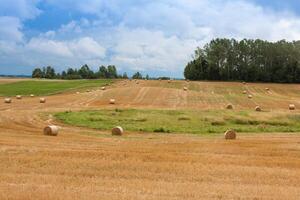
x=137 y=75
x=37 y=73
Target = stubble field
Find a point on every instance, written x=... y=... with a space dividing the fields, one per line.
x=86 y=163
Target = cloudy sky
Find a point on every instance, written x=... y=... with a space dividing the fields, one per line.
x=156 y=37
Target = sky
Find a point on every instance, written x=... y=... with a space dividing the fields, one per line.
x=155 y=37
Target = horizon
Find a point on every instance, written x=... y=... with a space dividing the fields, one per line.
x=152 y=37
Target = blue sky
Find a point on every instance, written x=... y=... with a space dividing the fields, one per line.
x=155 y=37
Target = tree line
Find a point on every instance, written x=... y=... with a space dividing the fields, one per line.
x=246 y=60
x=109 y=72
x=82 y=73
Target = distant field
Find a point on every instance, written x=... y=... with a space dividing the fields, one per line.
x=184 y=121
x=47 y=87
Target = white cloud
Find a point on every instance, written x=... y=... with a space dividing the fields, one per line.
x=49 y=47
x=141 y=49
x=63 y=53
x=10 y=29
x=87 y=48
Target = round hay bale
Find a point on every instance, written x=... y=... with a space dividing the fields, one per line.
x=230 y=135
x=169 y=81
x=257 y=108
x=250 y=96
x=51 y=130
x=112 y=101
x=137 y=82
x=88 y=90
x=77 y=92
x=117 y=131
x=229 y=107
x=267 y=89
x=32 y=95
x=103 y=88
x=244 y=83
x=185 y=88
x=292 y=107
x=42 y=100
x=244 y=92
x=19 y=97
x=7 y=100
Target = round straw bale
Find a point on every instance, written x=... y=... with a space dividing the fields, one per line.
x=244 y=92
x=250 y=96
x=257 y=108
x=117 y=131
x=112 y=101
x=19 y=97
x=267 y=89
x=244 y=83
x=7 y=100
x=103 y=88
x=32 y=95
x=230 y=135
x=77 y=92
x=51 y=130
x=229 y=106
x=185 y=88
x=88 y=90
x=169 y=81
x=292 y=107
x=42 y=100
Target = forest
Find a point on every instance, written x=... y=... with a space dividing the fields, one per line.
x=246 y=60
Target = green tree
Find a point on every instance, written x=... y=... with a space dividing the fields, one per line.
x=37 y=73
x=85 y=72
x=50 y=73
x=103 y=72
x=137 y=75
x=112 y=71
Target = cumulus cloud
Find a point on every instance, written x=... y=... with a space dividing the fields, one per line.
x=64 y=53
x=141 y=49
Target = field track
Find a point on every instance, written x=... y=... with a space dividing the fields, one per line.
x=88 y=164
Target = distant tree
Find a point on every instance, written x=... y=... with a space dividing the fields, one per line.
x=85 y=72
x=137 y=75
x=63 y=75
x=164 y=78
x=147 y=77
x=102 y=73
x=50 y=73
x=37 y=73
x=72 y=74
x=112 y=71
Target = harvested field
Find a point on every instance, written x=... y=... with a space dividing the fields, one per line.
x=83 y=163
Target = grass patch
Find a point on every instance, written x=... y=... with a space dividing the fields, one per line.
x=46 y=87
x=174 y=121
